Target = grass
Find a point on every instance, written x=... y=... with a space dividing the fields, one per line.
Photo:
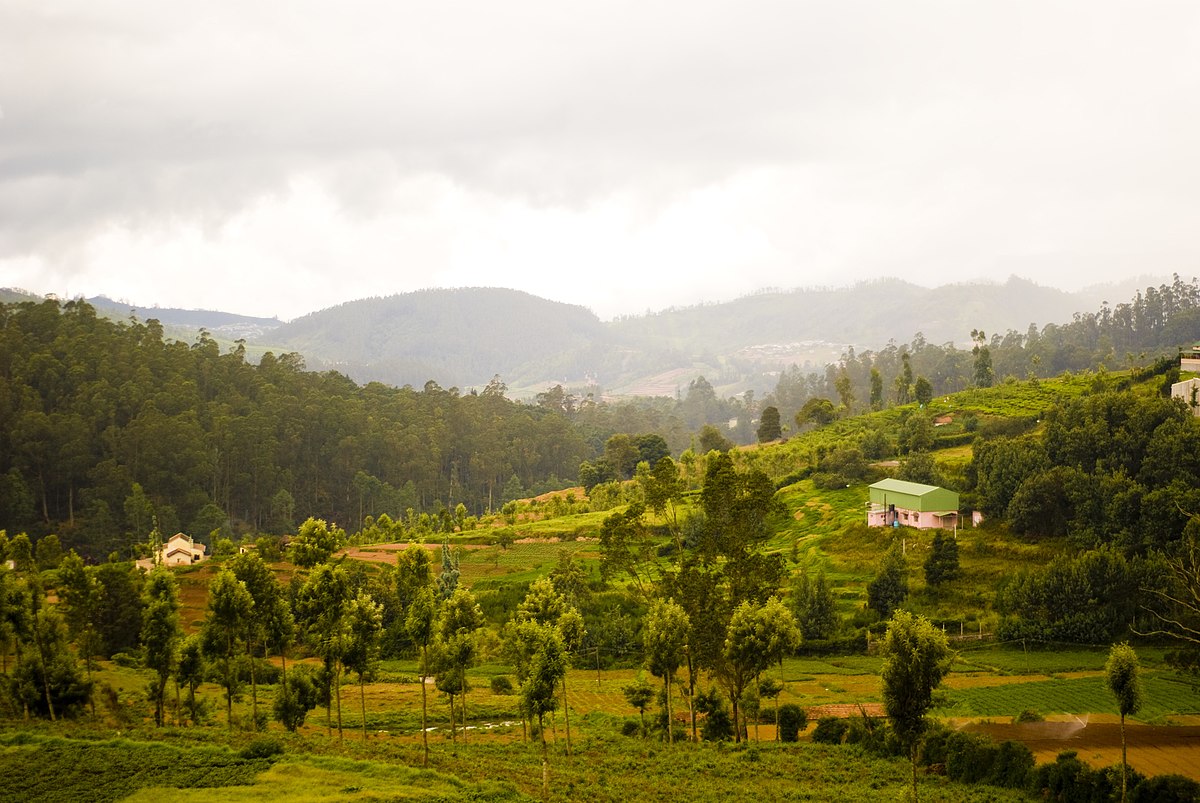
x=604 y=767
x=1165 y=695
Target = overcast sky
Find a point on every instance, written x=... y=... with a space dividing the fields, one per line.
x=275 y=158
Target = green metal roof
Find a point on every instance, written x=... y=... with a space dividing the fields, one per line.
x=913 y=495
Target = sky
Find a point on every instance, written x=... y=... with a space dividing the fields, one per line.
x=276 y=158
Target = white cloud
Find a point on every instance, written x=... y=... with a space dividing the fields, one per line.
x=279 y=157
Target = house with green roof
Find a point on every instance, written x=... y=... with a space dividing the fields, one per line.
x=895 y=502
x=1189 y=359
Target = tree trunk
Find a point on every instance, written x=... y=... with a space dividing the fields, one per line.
x=1124 y=760
x=566 y=712
x=912 y=755
x=545 y=760
x=670 y=730
x=462 y=705
x=362 y=702
x=424 y=706
x=737 y=723
x=253 y=691
x=337 y=686
x=453 y=720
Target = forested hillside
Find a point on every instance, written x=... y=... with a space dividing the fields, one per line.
x=1155 y=323
x=105 y=424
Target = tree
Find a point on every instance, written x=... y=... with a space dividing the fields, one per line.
x=315 y=542
x=916 y=656
x=890 y=586
x=817 y=411
x=161 y=635
x=768 y=425
x=984 y=375
x=942 y=564
x=49 y=552
x=779 y=636
x=923 y=390
x=664 y=635
x=711 y=440
x=813 y=604
x=547 y=664
x=226 y=630
x=461 y=618
x=364 y=623
x=1123 y=675
x=190 y=672
x=295 y=698
x=876 y=389
x=744 y=657
x=321 y=607
x=639 y=694
x=419 y=625
x=47 y=679
x=269 y=618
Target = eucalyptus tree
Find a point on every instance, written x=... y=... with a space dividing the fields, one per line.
x=1124 y=680
x=364 y=623
x=547 y=663
x=779 y=636
x=744 y=657
x=161 y=635
x=460 y=620
x=269 y=618
x=916 y=656
x=419 y=624
x=190 y=671
x=321 y=607
x=226 y=631
x=665 y=634
x=78 y=596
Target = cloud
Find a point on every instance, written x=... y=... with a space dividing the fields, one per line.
x=679 y=149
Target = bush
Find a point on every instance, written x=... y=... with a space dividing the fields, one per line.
x=830 y=730
x=501 y=684
x=718 y=724
x=1028 y=715
x=1165 y=789
x=262 y=748
x=631 y=727
x=127 y=660
x=792 y=720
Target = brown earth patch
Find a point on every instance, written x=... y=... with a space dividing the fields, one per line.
x=845 y=711
x=1153 y=749
x=386 y=553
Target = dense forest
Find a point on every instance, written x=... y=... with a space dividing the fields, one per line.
x=105 y=426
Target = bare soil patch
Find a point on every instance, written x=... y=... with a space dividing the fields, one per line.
x=1153 y=749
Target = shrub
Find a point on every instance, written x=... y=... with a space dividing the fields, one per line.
x=127 y=660
x=501 y=684
x=262 y=748
x=1165 y=789
x=718 y=724
x=1028 y=715
x=792 y=720
x=1012 y=766
x=631 y=727
x=830 y=730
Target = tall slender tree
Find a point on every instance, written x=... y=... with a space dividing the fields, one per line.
x=1123 y=675
x=665 y=633
x=226 y=630
x=916 y=656
x=161 y=635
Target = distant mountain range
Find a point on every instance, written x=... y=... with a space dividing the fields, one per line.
x=464 y=337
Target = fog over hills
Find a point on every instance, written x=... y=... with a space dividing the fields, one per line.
x=464 y=337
